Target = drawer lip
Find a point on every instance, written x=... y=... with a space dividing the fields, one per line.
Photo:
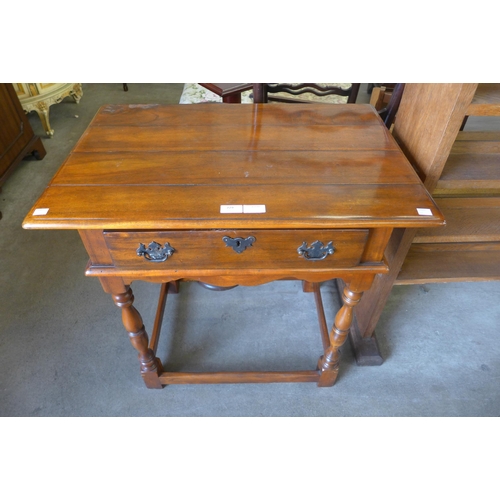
x=205 y=249
x=118 y=233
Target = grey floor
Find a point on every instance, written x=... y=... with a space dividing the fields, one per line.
x=64 y=352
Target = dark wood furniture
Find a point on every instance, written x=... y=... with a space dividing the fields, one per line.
x=230 y=92
x=235 y=195
x=462 y=171
x=372 y=87
x=389 y=110
x=265 y=92
x=17 y=139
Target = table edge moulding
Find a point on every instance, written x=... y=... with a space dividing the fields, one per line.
x=251 y=194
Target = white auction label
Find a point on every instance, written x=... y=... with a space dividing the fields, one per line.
x=424 y=211
x=231 y=209
x=40 y=211
x=254 y=209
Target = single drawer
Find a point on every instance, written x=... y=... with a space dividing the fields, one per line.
x=236 y=249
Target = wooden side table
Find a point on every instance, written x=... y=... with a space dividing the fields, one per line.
x=40 y=96
x=230 y=92
x=235 y=195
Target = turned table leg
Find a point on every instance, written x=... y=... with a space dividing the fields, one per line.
x=132 y=321
x=328 y=364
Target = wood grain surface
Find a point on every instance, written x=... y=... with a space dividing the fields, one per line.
x=172 y=167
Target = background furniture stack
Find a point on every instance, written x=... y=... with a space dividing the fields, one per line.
x=40 y=96
x=468 y=192
x=380 y=94
x=461 y=169
x=331 y=93
x=194 y=93
x=17 y=138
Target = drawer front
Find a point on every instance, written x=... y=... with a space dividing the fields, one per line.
x=236 y=249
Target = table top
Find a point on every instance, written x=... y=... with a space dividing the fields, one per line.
x=174 y=166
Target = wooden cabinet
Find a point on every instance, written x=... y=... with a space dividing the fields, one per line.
x=40 y=96
x=461 y=169
x=17 y=138
x=468 y=192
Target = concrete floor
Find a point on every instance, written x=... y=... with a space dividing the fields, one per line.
x=64 y=352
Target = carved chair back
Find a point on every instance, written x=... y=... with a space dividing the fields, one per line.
x=265 y=92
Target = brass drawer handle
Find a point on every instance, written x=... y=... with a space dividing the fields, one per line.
x=316 y=251
x=238 y=244
x=154 y=252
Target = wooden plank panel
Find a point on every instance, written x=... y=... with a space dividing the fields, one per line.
x=259 y=115
x=476 y=135
x=203 y=127
x=427 y=124
x=473 y=188
x=486 y=100
x=479 y=146
x=470 y=179
x=447 y=262
x=187 y=207
x=294 y=167
x=467 y=220
x=473 y=166
x=234 y=138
